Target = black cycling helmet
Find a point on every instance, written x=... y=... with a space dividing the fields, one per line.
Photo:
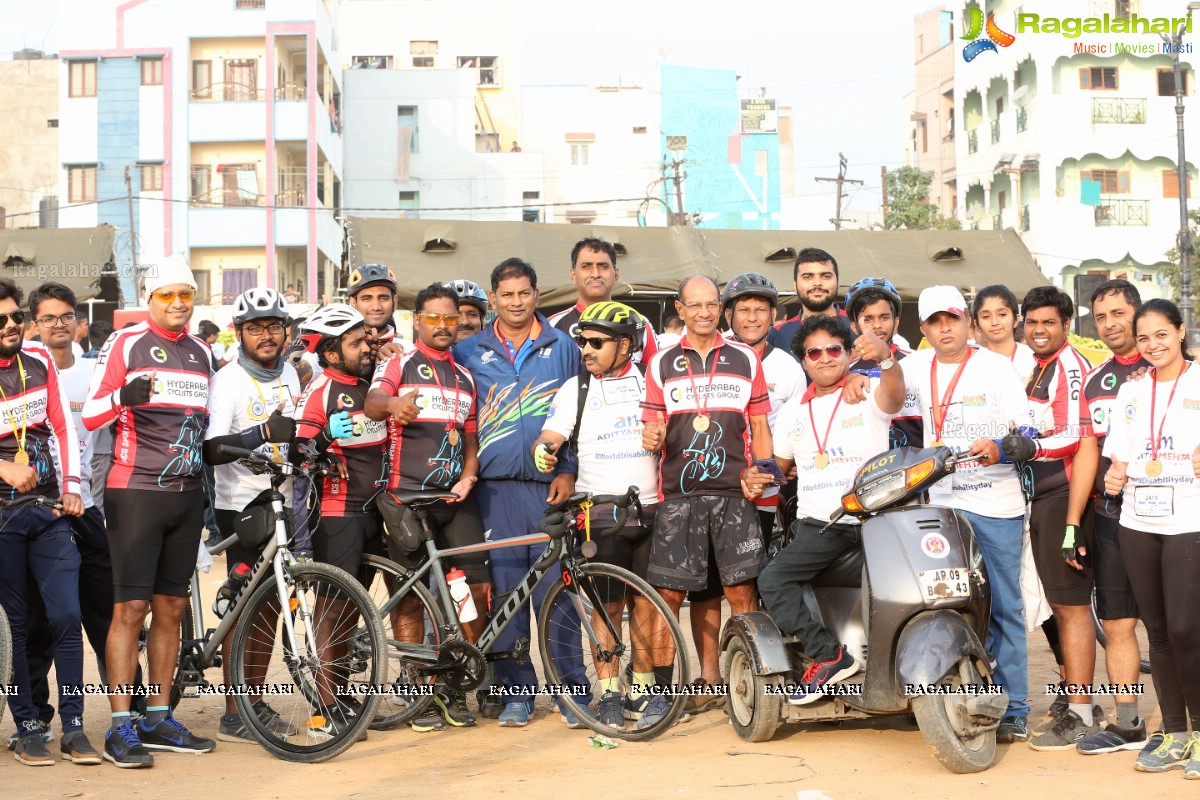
x=749 y=284
x=615 y=318
x=870 y=290
x=370 y=275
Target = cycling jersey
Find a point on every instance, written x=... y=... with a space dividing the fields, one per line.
x=1100 y=389
x=75 y=381
x=1055 y=392
x=1169 y=502
x=427 y=453
x=35 y=405
x=907 y=430
x=567 y=321
x=156 y=445
x=238 y=402
x=731 y=388
x=785 y=379
x=611 y=456
x=362 y=453
x=782 y=334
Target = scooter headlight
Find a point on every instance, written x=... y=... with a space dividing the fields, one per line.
x=877 y=494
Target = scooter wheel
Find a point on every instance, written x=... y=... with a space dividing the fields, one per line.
x=754 y=712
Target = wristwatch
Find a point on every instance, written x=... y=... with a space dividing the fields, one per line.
x=887 y=363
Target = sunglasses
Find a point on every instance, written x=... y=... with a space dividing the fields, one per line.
x=834 y=350
x=166 y=296
x=433 y=320
x=595 y=342
x=18 y=318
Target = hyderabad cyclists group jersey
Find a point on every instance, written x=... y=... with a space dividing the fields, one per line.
x=427 y=453
x=706 y=403
x=907 y=430
x=156 y=445
x=36 y=407
x=1100 y=389
x=237 y=402
x=361 y=452
x=1147 y=413
x=1055 y=391
x=567 y=321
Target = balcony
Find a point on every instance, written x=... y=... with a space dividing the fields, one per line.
x=1025 y=218
x=995 y=131
x=1022 y=119
x=227 y=93
x=1126 y=110
x=1125 y=213
x=973 y=141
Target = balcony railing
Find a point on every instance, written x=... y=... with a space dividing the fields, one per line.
x=973 y=141
x=1024 y=218
x=227 y=93
x=291 y=91
x=1127 y=213
x=1022 y=119
x=1127 y=110
x=995 y=131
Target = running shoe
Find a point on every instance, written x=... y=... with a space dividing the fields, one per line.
x=656 y=709
x=1191 y=772
x=822 y=673
x=170 y=734
x=568 y=717
x=1114 y=738
x=490 y=706
x=1067 y=732
x=32 y=751
x=270 y=718
x=1060 y=701
x=428 y=723
x=77 y=749
x=453 y=706
x=610 y=710
x=1163 y=753
x=123 y=748
x=516 y=714
x=337 y=719
x=1012 y=729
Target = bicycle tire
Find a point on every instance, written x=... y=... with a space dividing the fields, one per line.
x=6 y=651
x=557 y=632
x=281 y=681
x=405 y=703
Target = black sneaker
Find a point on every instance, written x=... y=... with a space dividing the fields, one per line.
x=453 y=706
x=171 y=735
x=636 y=706
x=43 y=728
x=77 y=749
x=610 y=710
x=1114 y=738
x=490 y=705
x=123 y=748
x=1060 y=701
x=822 y=673
x=32 y=751
x=1066 y=733
x=338 y=719
x=1012 y=729
x=429 y=723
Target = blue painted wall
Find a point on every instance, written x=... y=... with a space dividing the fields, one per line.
x=117 y=86
x=703 y=104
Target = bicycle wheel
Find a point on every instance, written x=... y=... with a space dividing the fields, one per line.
x=648 y=641
x=340 y=647
x=140 y=699
x=6 y=650
x=415 y=625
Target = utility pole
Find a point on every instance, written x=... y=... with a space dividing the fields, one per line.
x=676 y=145
x=840 y=180
x=132 y=230
x=1185 y=233
x=883 y=186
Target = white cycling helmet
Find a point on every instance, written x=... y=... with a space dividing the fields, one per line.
x=333 y=320
x=259 y=304
x=469 y=292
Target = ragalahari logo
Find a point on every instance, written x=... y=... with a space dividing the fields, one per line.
x=973 y=26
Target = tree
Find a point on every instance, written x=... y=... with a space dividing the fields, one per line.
x=908 y=202
x=1171 y=273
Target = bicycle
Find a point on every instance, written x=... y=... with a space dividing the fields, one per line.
x=320 y=617
x=587 y=609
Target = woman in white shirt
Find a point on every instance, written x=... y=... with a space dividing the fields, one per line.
x=1154 y=444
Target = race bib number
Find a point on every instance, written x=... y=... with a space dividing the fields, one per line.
x=621 y=390
x=1153 y=501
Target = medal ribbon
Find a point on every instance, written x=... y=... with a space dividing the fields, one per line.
x=708 y=374
x=1154 y=440
x=20 y=437
x=822 y=442
x=937 y=411
x=445 y=399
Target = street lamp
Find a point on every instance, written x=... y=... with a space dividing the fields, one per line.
x=1185 y=234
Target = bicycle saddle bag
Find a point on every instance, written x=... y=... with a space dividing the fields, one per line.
x=400 y=525
x=255 y=525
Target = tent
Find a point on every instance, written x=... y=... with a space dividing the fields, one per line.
x=70 y=256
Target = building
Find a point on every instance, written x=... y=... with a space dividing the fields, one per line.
x=1071 y=138
x=29 y=140
x=209 y=128
x=929 y=108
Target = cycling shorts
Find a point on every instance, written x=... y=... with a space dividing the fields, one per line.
x=1114 y=594
x=683 y=530
x=153 y=539
x=454 y=525
x=1064 y=585
x=342 y=542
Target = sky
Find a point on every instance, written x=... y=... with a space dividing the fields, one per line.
x=844 y=67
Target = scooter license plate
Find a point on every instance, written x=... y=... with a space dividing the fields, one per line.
x=938 y=584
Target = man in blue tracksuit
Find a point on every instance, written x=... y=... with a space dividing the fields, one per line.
x=518 y=363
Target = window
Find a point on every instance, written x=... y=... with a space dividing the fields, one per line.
x=1166 y=82
x=1098 y=78
x=1111 y=181
x=242 y=4
x=1170 y=179
x=201 y=80
x=241 y=79
x=82 y=79
x=422 y=53
x=151 y=177
x=410 y=205
x=531 y=196
x=81 y=184
x=151 y=72
x=488 y=68
x=583 y=216
x=201 y=183
x=52 y=123
x=639 y=128
x=579 y=154
x=371 y=62
x=203 y=285
x=406 y=116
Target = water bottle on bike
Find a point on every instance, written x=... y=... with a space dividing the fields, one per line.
x=460 y=592
x=229 y=589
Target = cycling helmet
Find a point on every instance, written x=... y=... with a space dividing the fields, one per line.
x=749 y=284
x=369 y=275
x=259 y=304
x=870 y=290
x=469 y=292
x=615 y=318
x=329 y=322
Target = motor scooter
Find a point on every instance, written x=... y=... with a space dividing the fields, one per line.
x=912 y=603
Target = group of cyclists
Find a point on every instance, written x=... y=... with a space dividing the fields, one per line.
x=743 y=425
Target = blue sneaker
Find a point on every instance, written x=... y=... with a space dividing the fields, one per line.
x=516 y=714
x=123 y=748
x=172 y=735
x=822 y=673
x=1162 y=753
x=568 y=717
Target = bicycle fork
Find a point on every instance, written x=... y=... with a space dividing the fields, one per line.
x=574 y=587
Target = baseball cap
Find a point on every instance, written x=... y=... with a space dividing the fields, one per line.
x=941 y=298
x=168 y=272
x=369 y=275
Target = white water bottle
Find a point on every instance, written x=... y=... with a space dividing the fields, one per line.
x=460 y=592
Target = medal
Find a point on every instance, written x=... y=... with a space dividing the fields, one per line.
x=21 y=458
x=700 y=423
x=821 y=460
x=937 y=443
x=1154 y=467
x=452 y=437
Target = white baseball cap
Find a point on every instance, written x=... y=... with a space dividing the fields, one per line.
x=941 y=298
x=168 y=272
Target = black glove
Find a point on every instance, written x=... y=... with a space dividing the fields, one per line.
x=279 y=429
x=1017 y=447
x=137 y=391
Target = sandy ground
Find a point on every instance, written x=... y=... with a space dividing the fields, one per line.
x=879 y=758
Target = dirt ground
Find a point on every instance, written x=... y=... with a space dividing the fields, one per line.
x=701 y=758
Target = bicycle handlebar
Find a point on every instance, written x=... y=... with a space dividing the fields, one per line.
x=278 y=468
x=555 y=522
x=31 y=500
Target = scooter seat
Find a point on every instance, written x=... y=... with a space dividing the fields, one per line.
x=845 y=571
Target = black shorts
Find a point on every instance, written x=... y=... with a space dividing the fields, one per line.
x=714 y=590
x=454 y=525
x=342 y=542
x=1064 y=585
x=683 y=531
x=153 y=539
x=1114 y=595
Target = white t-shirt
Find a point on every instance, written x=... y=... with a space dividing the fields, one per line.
x=75 y=382
x=856 y=432
x=611 y=458
x=1170 y=502
x=236 y=402
x=989 y=395
x=785 y=380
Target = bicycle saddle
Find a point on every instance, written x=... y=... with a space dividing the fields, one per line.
x=422 y=499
